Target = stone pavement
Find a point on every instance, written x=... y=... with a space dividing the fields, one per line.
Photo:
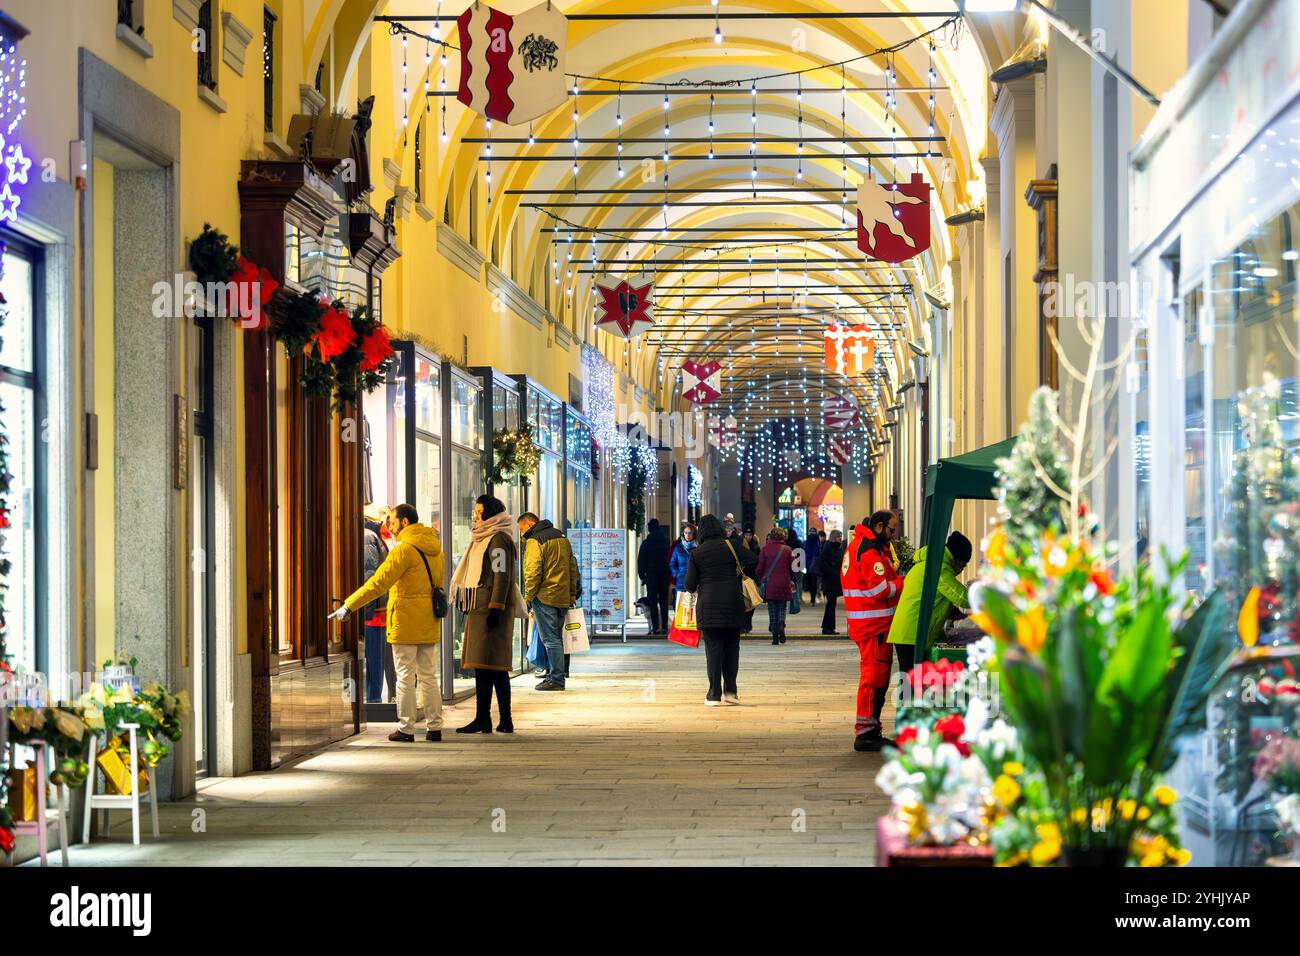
x=626 y=767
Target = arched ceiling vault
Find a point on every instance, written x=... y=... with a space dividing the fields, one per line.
x=703 y=291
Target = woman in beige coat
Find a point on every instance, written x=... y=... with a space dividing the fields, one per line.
x=484 y=588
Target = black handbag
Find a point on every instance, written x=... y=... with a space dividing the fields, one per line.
x=439 y=595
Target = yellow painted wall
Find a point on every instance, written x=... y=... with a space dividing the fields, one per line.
x=105 y=540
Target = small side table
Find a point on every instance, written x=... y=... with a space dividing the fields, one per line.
x=106 y=801
x=39 y=827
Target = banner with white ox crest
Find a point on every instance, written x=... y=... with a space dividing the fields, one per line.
x=512 y=68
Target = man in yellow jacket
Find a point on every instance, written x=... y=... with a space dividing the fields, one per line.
x=551 y=587
x=411 y=571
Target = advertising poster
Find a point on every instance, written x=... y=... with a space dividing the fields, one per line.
x=604 y=574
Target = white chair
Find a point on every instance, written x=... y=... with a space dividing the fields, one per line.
x=39 y=827
x=106 y=801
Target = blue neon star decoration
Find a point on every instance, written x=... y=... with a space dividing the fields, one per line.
x=18 y=164
x=9 y=201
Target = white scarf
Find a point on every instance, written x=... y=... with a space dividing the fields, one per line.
x=466 y=576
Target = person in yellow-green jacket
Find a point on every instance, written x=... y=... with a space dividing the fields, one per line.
x=409 y=574
x=951 y=593
x=551 y=587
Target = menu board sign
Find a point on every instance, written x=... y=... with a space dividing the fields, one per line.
x=602 y=560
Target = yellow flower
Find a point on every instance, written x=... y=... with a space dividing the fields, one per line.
x=997 y=548
x=1044 y=853
x=1031 y=629
x=1152 y=859
x=1006 y=790
x=986 y=624
x=94 y=719
x=1248 y=618
x=1144 y=813
x=1017 y=860
x=1127 y=808
x=1182 y=856
x=913 y=817
x=1165 y=796
x=1079 y=815
x=1013 y=768
x=1159 y=844
x=1048 y=832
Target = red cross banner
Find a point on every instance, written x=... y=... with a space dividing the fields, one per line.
x=701 y=381
x=850 y=349
x=840 y=449
x=894 y=219
x=722 y=432
x=625 y=308
x=839 y=413
x=512 y=68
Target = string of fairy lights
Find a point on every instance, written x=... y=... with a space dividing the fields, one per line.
x=770 y=433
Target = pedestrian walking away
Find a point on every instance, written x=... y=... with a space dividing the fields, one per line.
x=714 y=571
x=410 y=575
x=829 y=564
x=776 y=580
x=652 y=569
x=551 y=587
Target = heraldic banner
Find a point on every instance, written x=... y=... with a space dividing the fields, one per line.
x=894 y=219
x=512 y=68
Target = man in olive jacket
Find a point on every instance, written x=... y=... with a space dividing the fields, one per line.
x=410 y=572
x=551 y=587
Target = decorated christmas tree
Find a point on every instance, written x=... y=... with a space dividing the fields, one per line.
x=1034 y=480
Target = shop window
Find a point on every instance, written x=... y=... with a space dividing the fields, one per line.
x=21 y=358
x=207 y=46
x=130 y=14
x=268 y=69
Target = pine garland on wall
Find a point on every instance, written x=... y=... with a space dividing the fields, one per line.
x=636 y=482
x=514 y=456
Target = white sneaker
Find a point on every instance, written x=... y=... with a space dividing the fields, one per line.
x=731 y=698
x=712 y=703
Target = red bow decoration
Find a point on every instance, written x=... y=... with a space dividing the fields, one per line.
x=625 y=308
x=375 y=349
x=254 y=287
x=336 y=334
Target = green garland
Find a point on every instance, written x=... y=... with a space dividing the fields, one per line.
x=514 y=455
x=213 y=258
x=636 y=479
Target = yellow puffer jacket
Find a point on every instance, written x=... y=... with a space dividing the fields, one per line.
x=410 y=605
x=550 y=569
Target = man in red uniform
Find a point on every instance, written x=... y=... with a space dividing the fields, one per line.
x=871 y=590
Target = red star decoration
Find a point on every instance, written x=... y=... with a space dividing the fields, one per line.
x=625 y=307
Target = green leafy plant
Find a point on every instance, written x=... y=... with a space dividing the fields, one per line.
x=636 y=482
x=213 y=257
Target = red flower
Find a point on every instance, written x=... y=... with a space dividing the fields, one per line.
x=375 y=348
x=904 y=736
x=950 y=728
x=254 y=287
x=1102 y=580
x=336 y=333
x=963 y=748
x=4 y=518
x=6 y=840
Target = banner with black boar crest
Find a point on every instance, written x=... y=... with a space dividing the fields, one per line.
x=512 y=68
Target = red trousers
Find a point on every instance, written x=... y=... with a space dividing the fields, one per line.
x=873 y=681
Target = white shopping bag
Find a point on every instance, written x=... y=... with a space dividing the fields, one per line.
x=575 y=632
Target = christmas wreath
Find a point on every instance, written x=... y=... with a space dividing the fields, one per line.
x=242 y=287
x=514 y=455
x=636 y=481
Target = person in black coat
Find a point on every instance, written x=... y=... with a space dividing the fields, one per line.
x=713 y=576
x=652 y=569
x=828 y=574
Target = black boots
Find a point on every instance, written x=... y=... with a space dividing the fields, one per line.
x=479 y=725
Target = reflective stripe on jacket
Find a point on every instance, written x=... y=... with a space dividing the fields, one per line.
x=871 y=585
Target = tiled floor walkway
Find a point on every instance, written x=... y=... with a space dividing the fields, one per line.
x=627 y=766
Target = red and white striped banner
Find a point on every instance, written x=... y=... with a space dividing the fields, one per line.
x=512 y=68
x=701 y=381
x=840 y=449
x=839 y=413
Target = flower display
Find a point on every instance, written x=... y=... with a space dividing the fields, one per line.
x=335 y=335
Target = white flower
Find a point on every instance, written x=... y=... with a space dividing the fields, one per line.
x=980 y=653
x=977 y=714
x=1287 y=809
x=922 y=756
x=892 y=776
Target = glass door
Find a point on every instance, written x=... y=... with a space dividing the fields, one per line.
x=463 y=420
x=202 y=559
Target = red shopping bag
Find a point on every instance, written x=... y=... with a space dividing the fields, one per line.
x=683 y=629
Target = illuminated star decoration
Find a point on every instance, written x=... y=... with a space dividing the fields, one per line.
x=625 y=308
x=701 y=381
x=13 y=109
